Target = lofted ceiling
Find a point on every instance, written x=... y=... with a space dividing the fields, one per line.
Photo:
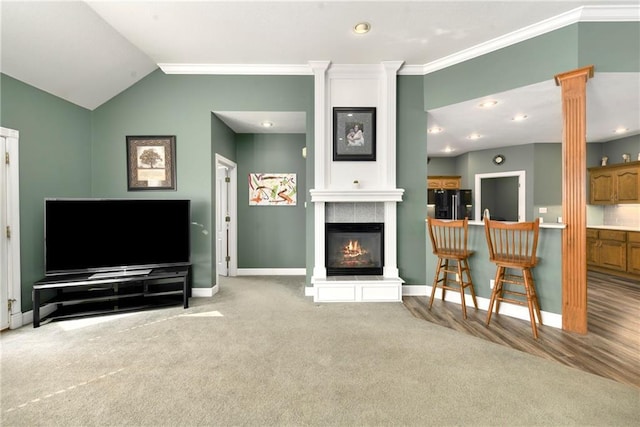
x=87 y=52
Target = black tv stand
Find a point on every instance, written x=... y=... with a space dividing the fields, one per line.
x=80 y=295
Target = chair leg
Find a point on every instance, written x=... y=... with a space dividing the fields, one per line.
x=436 y=279
x=532 y=302
x=494 y=293
x=445 y=277
x=461 y=284
x=470 y=282
x=534 y=295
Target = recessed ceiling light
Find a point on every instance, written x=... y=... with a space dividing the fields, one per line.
x=519 y=117
x=488 y=103
x=267 y=124
x=474 y=136
x=621 y=130
x=435 y=129
x=361 y=28
x=449 y=150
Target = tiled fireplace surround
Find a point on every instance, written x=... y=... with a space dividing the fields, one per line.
x=375 y=199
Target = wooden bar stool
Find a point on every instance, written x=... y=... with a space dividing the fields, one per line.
x=512 y=247
x=449 y=241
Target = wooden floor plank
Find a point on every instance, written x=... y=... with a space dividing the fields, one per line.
x=611 y=348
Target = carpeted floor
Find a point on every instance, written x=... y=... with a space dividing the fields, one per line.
x=259 y=353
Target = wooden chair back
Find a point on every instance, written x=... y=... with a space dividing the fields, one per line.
x=512 y=243
x=448 y=237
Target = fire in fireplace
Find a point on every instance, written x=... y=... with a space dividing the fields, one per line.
x=353 y=249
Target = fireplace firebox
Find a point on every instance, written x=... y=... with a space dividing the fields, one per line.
x=353 y=249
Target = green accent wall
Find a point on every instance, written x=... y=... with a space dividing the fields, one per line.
x=55 y=161
x=411 y=158
x=182 y=105
x=271 y=236
x=609 y=46
x=531 y=61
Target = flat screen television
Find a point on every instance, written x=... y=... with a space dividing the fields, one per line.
x=115 y=235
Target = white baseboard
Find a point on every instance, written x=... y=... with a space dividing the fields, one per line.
x=204 y=292
x=506 y=309
x=272 y=271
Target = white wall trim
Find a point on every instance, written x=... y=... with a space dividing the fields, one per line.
x=506 y=309
x=204 y=292
x=600 y=13
x=11 y=212
x=236 y=69
x=522 y=192
x=272 y=271
x=232 y=207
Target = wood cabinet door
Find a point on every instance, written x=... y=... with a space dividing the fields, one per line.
x=633 y=253
x=628 y=185
x=633 y=258
x=451 y=183
x=613 y=255
x=602 y=188
x=592 y=252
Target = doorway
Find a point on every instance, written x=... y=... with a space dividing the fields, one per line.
x=503 y=193
x=226 y=217
x=10 y=286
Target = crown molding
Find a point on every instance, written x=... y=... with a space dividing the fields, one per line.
x=580 y=14
x=613 y=13
x=238 y=69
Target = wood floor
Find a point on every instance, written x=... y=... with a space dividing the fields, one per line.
x=610 y=349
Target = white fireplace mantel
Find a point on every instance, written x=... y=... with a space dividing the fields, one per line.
x=357 y=195
x=372 y=86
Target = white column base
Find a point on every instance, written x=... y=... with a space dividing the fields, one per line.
x=356 y=289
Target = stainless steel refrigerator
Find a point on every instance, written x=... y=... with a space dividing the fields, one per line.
x=450 y=204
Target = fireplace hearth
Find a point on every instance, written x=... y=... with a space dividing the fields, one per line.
x=353 y=249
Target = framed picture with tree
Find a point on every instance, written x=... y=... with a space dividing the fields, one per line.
x=151 y=163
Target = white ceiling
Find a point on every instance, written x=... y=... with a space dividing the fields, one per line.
x=88 y=52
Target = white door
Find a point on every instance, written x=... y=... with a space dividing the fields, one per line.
x=4 y=255
x=226 y=216
x=222 y=220
x=10 y=305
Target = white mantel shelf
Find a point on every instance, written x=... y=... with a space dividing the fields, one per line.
x=357 y=195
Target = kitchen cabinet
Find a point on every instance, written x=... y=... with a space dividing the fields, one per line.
x=633 y=252
x=610 y=185
x=614 y=252
x=444 y=182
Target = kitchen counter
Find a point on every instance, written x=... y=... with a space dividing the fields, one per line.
x=542 y=224
x=615 y=227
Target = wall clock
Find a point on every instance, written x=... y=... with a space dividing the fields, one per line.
x=498 y=159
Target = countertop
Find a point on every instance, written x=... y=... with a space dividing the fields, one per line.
x=542 y=224
x=615 y=227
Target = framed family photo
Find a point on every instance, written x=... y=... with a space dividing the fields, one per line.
x=354 y=134
x=151 y=163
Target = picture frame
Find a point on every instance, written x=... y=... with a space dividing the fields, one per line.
x=151 y=163
x=354 y=133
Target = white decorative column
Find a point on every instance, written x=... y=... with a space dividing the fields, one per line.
x=319 y=69
x=356 y=86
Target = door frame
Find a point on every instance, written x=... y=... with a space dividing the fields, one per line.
x=10 y=279
x=522 y=192
x=232 y=206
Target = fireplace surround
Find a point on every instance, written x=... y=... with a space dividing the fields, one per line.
x=354 y=249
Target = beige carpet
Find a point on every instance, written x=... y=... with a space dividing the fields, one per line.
x=259 y=353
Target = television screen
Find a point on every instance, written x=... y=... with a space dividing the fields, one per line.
x=101 y=235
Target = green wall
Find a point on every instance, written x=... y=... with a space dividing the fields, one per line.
x=609 y=46
x=182 y=105
x=411 y=158
x=271 y=236
x=525 y=63
x=55 y=161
